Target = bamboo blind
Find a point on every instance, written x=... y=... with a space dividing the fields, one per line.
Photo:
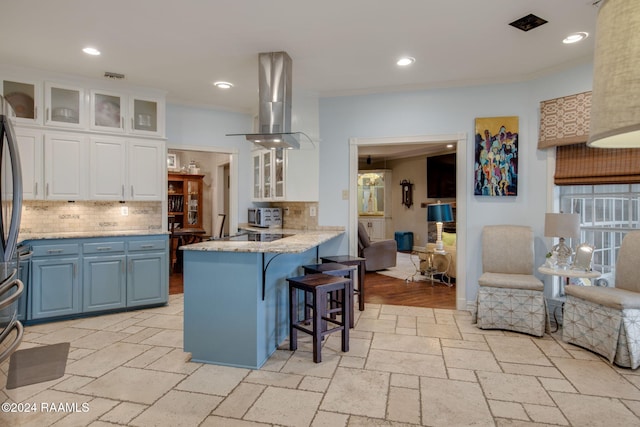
x=581 y=165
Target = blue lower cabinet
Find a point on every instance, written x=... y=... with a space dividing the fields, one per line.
x=147 y=279
x=104 y=284
x=75 y=276
x=55 y=288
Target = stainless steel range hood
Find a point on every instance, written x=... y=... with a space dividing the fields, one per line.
x=274 y=115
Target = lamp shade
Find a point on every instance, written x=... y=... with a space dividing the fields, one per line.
x=615 y=109
x=562 y=225
x=440 y=212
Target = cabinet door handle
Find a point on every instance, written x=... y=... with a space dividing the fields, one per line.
x=132 y=191
x=35 y=113
x=122 y=122
x=122 y=191
x=146 y=246
x=130 y=266
x=75 y=270
x=47 y=189
x=103 y=248
x=132 y=123
x=35 y=188
x=55 y=251
x=47 y=116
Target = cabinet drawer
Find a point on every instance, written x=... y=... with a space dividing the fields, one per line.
x=59 y=249
x=101 y=248
x=147 y=245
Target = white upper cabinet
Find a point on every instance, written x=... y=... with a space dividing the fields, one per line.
x=25 y=96
x=65 y=166
x=84 y=105
x=107 y=168
x=65 y=106
x=280 y=174
x=107 y=111
x=146 y=116
x=115 y=112
x=268 y=175
x=147 y=169
x=126 y=169
x=30 y=146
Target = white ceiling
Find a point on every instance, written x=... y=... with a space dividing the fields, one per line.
x=338 y=47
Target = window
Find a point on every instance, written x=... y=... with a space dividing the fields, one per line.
x=607 y=213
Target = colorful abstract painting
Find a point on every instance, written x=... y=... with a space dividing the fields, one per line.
x=496 y=156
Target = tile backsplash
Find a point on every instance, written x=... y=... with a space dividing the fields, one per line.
x=297 y=215
x=89 y=216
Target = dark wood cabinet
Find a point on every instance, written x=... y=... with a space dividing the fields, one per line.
x=184 y=198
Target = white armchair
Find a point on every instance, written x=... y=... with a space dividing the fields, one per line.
x=607 y=320
x=509 y=296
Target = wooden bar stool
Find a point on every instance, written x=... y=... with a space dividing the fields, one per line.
x=340 y=270
x=358 y=262
x=319 y=286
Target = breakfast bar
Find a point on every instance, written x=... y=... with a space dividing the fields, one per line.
x=236 y=293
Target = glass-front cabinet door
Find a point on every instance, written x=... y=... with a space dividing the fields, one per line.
x=257 y=177
x=146 y=116
x=107 y=111
x=24 y=97
x=266 y=174
x=193 y=197
x=279 y=173
x=64 y=105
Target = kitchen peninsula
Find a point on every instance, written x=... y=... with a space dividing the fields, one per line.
x=236 y=294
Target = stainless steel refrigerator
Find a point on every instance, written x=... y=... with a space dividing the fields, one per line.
x=11 y=288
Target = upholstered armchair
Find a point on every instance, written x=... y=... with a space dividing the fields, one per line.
x=509 y=296
x=379 y=255
x=607 y=320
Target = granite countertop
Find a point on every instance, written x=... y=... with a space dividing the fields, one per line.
x=298 y=241
x=87 y=234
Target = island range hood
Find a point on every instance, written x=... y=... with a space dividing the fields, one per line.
x=274 y=115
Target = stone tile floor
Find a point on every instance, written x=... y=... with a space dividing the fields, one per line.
x=407 y=366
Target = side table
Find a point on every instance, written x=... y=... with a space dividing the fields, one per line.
x=435 y=264
x=565 y=275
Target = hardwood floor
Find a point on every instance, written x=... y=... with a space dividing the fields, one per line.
x=384 y=290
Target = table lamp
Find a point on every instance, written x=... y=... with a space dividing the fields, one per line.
x=439 y=212
x=562 y=225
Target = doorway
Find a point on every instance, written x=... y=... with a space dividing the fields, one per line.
x=424 y=142
x=219 y=195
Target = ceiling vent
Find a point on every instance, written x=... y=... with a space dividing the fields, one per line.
x=528 y=22
x=115 y=76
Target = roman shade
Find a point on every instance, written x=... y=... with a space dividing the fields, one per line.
x=564 y=120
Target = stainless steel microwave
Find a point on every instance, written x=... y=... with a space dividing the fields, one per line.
x=264 y=217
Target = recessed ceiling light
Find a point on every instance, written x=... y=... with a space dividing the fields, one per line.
x=449 y=145
x=407 y=60
x=223 y=85
x=91 y=51
x=575 y=37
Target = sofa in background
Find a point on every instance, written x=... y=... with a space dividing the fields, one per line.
x=379 y=255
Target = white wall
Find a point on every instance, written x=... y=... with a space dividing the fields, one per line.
x=198 y=127
x=429 y=112
x=448 y=111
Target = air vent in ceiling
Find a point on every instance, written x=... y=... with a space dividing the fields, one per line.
x=115 y=76
x=528 y=22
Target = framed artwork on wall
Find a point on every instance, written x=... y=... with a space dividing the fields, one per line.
x=172 y=162
x=496 y=156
